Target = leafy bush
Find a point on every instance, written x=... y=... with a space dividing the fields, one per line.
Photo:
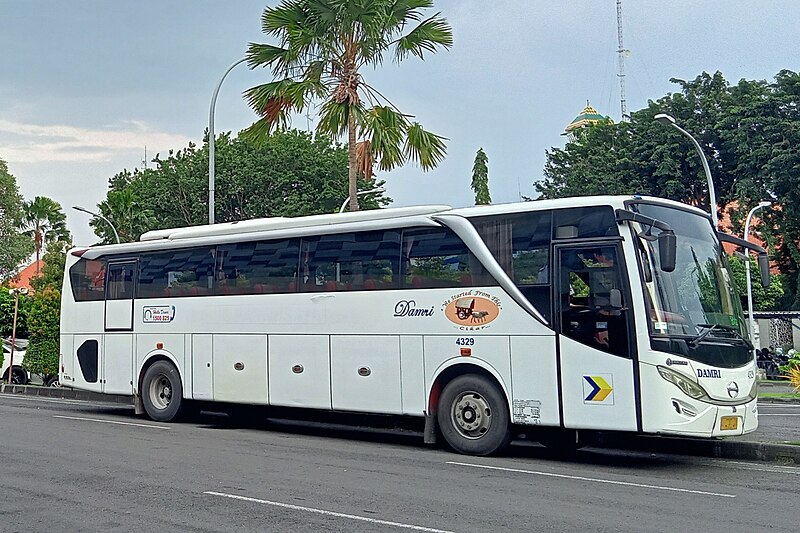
x=43 y=324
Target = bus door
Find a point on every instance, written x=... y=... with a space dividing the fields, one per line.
x=595 y=343
x=117 y=353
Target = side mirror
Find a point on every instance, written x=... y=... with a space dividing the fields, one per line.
x=667 y=250
x=763 y=267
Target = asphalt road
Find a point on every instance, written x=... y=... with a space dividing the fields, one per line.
x=75 y=466
x=777 y=423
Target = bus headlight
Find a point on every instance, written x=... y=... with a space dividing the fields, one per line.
x=689 y=387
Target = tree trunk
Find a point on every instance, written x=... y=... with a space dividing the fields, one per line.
x=352 y=171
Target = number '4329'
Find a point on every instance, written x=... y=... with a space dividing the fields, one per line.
x=465 y=341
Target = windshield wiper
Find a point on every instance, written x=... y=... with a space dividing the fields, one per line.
x=693 y=343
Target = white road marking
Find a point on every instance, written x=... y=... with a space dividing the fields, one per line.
x=595 y=480
x=111 y=422
x=326 y=513
x=778 y=414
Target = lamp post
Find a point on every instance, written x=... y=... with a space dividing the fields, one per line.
x=362 y=193
x=16 y=292
x=98 y=215
x=212 y=141
x=712 y=195
x=750 y=320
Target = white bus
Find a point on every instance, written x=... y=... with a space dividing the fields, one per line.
x=553 y=318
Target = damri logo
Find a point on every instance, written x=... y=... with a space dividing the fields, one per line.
x=708 y=373
x=598 y=389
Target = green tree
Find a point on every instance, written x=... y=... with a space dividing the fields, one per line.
x=480 y=178
x=128 y=215
x=749 y=133
x=45 y=223
x=290 y=173
x=41 y=356
x=15 y=246
x=324 y=46
x=52 y=275
x=764 y=299
x=7 y=314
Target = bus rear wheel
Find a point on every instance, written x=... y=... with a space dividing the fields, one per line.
x=473 y=416
x=162 y=392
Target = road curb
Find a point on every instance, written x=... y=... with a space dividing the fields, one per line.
x=65 y=393
x=729 y=448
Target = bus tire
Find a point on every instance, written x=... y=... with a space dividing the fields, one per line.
x=473 y=416
x=162 y=392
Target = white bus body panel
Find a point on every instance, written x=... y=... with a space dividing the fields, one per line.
x=597 y=388
x=365 y=373
x=300 y=371
x=240 y=368
x=534 y=381
x=117 y=363
x=202 y=371
x=119 y=315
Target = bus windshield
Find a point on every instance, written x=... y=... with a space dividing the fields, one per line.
x=696 y=302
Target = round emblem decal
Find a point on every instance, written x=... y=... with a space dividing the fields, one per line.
x=471 y=311
x=733 y=389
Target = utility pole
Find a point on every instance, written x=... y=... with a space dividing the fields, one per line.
x=621 y=65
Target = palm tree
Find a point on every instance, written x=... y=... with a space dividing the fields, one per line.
x=129 y=216
x=45 y=223
x=323 y=46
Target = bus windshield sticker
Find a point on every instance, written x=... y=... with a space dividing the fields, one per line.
x=153 y=314
x=471 y=310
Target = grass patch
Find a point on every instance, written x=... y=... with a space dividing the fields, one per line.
x=785 y=395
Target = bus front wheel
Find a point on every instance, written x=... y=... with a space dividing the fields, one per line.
x=473 y=416
x=162 y=393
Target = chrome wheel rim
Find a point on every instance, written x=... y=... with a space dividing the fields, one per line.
x=160 y=392
x=471 y=415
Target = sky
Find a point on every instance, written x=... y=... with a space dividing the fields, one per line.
x=91 y=87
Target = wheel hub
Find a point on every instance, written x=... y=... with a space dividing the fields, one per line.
x=471 y=415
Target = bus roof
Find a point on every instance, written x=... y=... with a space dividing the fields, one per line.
x=278 y=223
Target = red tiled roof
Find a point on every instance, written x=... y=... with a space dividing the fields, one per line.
x=23 y=279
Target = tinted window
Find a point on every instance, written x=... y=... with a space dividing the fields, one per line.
x=439 y=258
x=87 y=278
x=352 y=261
x=520 y=243
x=257 y=267
x=184 y=272
x=584 y=222
x=120 y=281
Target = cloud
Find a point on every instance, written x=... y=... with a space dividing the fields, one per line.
x=33 y=143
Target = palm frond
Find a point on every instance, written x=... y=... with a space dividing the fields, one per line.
x=266 y=55
x=288 y=14
x=423 y=147
x=426 y=37
x=385 y=128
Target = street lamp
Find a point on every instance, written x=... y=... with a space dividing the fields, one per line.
x=712 y=196
x=753 y=334
x=362 y=193
x=212 y=142
x=16 y=292
x=98 y=215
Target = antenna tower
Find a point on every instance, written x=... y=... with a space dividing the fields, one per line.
x=621 y=65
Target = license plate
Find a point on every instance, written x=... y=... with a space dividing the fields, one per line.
x=728 y=423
